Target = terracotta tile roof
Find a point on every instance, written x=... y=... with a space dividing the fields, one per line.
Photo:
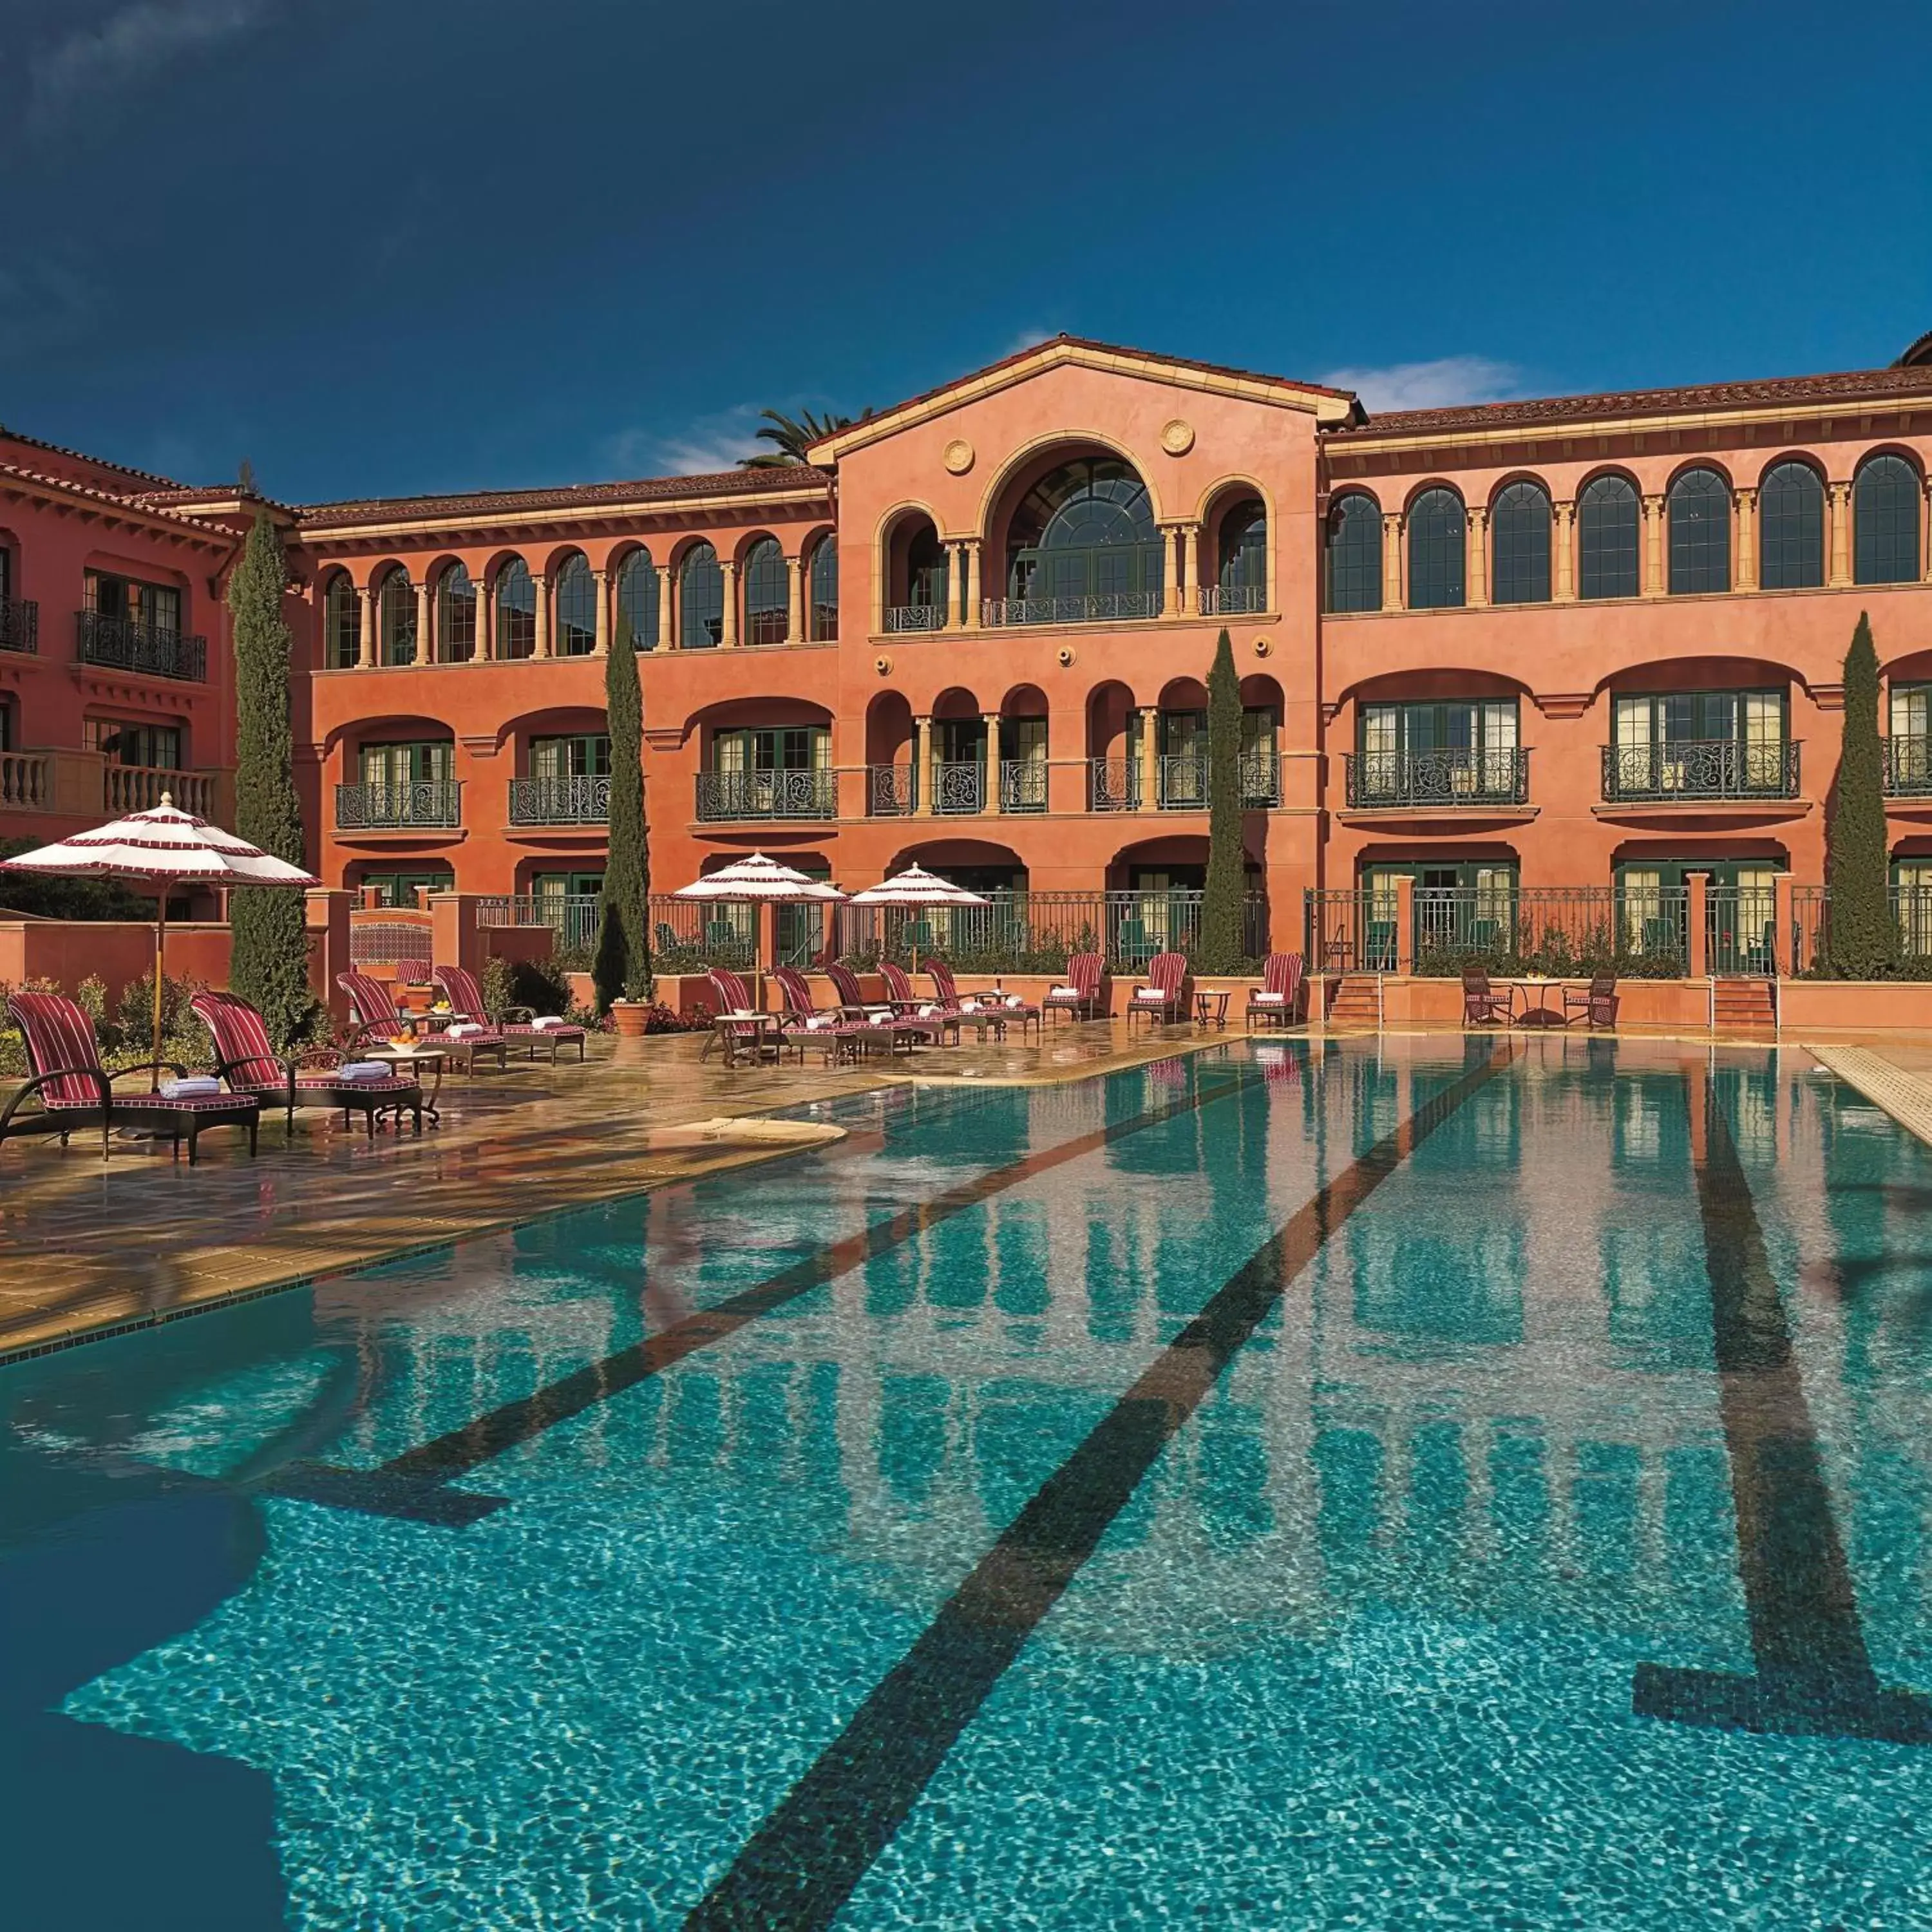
x=182 y=498
x=81 y=456
x=502 y=503
x=134 y=506
x=1880 y=385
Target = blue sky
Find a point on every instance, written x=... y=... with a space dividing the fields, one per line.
x=380 y=246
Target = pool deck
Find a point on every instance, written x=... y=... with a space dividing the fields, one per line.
x=89 y=1248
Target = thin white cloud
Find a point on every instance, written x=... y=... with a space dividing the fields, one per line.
x=1447 y=382
x=1027 y=338
x=127 y=44
x=719 y=441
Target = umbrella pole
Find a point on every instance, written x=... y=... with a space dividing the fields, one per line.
x=161 y=962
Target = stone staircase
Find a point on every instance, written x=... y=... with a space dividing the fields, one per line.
x=1746 y=1005
x=1356 y=1002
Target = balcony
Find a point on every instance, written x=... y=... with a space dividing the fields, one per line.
x=1908 y=767
x=1261 y=779
x=123 y=643
x=1113 y=785
x=959 y=787
x=560 y=801
x=778 y=794
x=1107 y=608
x=26 y=784
x=126 y=788
x=1457 y=779
x=892 y=791
x=1183 y=777
x=1022 y=784
x=1230 y=600
x=1695 y=769
x=915 y=617
x=428 y=804
x=19 y=624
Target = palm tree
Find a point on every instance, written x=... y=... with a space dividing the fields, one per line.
x=793 y=438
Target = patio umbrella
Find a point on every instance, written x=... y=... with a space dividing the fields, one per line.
x=917 y=886
x=758 y=881
x=162 y=847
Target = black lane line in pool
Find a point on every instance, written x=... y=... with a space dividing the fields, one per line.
x=1814 y=1675
x=410 y=1485
x=797 y=1870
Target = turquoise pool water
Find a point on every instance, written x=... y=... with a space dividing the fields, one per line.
x=1425 y=1486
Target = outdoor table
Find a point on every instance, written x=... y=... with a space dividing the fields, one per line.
x=729 y=1031
x=979 y=1021
x=415 y=1059
x=1211 y=1008
x=1534 y=989
x=858 y=1041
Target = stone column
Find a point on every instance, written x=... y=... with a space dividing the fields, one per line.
x=666 y=632
x=1562 y=539
x=1839 y=495
x=1744 y=577
x=971 y=547
x=365 y=644
x=1190 y=568
x=1924 y=527
x=1696 y=886
x=795 y=600
x=1150 y=758
x=1392 y=598
x=727 y=632
x=1476 y=556
x=486 y=627
x=1404 y=925
x=601 y=582
x=991 y=802
x=1780 y=923
x=425 y=636
x=922 y=754
x=1653 y=581
x=541 y=647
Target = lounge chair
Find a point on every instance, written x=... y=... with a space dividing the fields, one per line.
x=861 y=1013
x=1161 y=997
x=1481 y=1005
x=740 y=1026
x=75 y=1090
x=1008 y=1006
x=458 y=986
x=378 y=1018
x=245 y=1058
x=804 y=1021
x=902 y=998
x=1598 y=1003
x=1079 y=998
x=1275 y=1001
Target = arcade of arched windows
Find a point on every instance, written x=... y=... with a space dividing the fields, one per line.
x=1702 y=534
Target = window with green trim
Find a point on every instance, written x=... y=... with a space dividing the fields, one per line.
x=583 y=754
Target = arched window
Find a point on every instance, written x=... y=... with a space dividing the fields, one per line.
x=455 y=616
x=1240 y=578
x=516 y=610
x=637 y=603
x=1354 y=553
x=767 y=595
x=398 y=621
x=576 y=607
x=825 y=590
x=701 y=596
x=1436 y=551
x=1520 y=524
x=1082 y=547
x=1700 y=533
x=1791 y=528
x=341 y=623
x=929 y=579
x=1884 y=521
x=1607 y=539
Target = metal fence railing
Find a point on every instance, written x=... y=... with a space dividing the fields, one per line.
x=1810 y=937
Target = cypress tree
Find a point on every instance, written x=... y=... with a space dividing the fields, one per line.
x=622 y=969
x=268 y=963
x=1864 y=943
x=1222 y=944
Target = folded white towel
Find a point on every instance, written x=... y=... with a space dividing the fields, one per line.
x=1149 y=993
x=1269 y=999
x=1013 y=1000
x=192 y=1084
x=462 y=1029
x=1066 y=993
x=926 y=1012
x=362 y=1069
x=818 y=1022
x=741 y=1013
x=969 y=1006
x=878 y=1013
x=544 y=1020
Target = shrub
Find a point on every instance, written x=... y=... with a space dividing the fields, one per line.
x=541 y=985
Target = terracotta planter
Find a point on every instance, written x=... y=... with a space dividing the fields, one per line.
x=629 y=1017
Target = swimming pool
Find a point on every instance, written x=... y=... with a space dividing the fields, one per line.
x=1379 y=1486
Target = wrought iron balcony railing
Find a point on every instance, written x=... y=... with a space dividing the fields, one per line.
x=959 y=786
x=1261 y=778
x=1388 y=780
x=1699 y=768
x=122 y=643
x=1183 y=781
x=19 y=624
x=393 y=807
x=560 y=801
x=1022 y=784
x=802 y=794
x=1108 y=606
x=892 y=791
x=1227 y=600
x=915 y=617
x=1908 y=767
x=1113 y=785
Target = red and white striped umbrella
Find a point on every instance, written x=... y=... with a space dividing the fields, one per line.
x=917 y=886
x=758 y=880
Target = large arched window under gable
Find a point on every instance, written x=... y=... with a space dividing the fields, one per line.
x=1700 y=511
x=1608 y=539
x=576 y=591
x=341 y=623
x=1082 y=546
x=1240 y=575
x=824 y=589
x=637 y=603
x=1884 y=521
x=1520 y=527
x=1791 y=528
x=516 y=610
x=701 y=596
x=1437 y=551
x=397 y=618
x=1354 y=553
x=455 y=616
x=767 y=595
